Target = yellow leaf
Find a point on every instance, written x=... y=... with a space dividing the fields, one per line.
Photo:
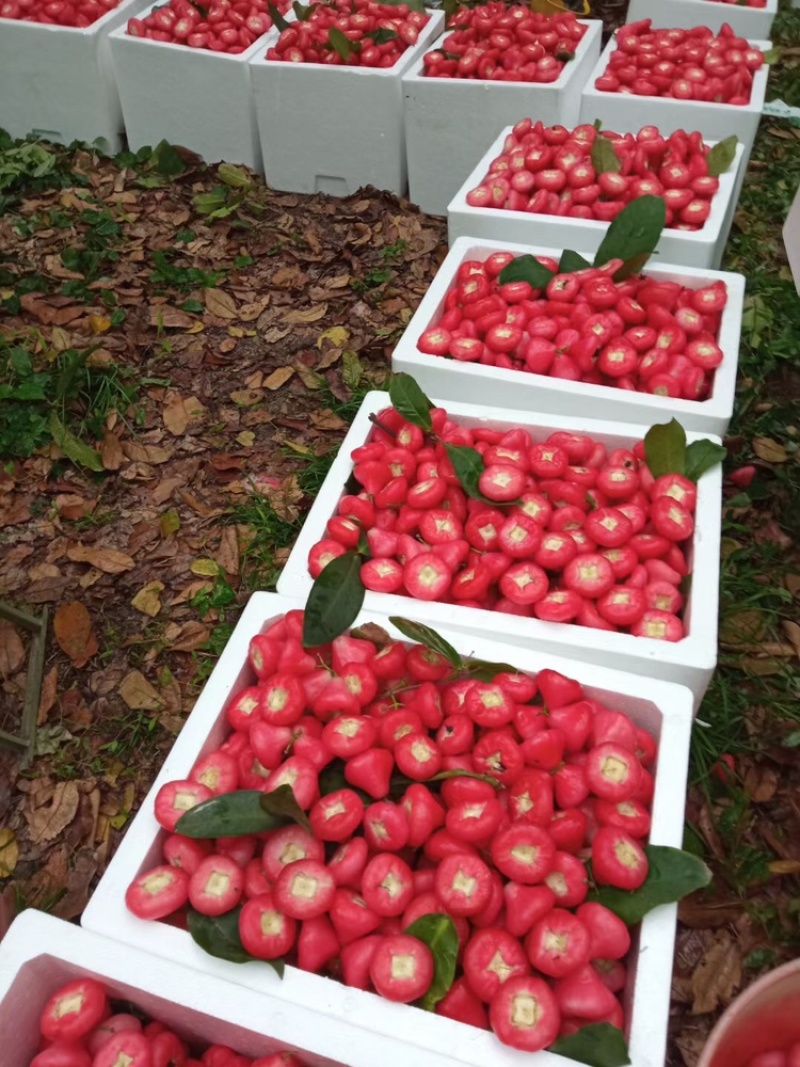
x=9 y=852
x=219 y=304
x=236 y=331
x=206 y=568
x=198 y=327
x=147 y=600
x=170 y=522
x=279 y=377
x=246 y=438
x=337 y=335
x=59 y=339
x=770 y=451
x=99 y=324
x=301 y=449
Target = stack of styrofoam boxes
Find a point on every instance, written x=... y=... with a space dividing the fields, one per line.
x=750 y=22
x=40 y=954
x=450 y=122
x=57 y=82
x=396 y=1034
x=698 y=248
x=536 y=392
x=690 y=662
x=334 y=129
x=188 y=96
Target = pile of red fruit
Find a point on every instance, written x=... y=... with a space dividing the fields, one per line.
x=639 y=334
x=495 y=42
x=378 y=34
x=548 y=170
x=77 y=13
x=220 y=26
x=504 y=856
x=569 y=532
x=694 y=64
x=80 y=1028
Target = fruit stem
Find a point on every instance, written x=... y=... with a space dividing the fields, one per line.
x=374 y=419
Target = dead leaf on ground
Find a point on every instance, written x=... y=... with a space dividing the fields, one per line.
x=72 y=507
x=108 y=560
x=73 y=629
x=717 y=977
x=180 y=412
x=302 y=316
x=48 y=695
x=111 y=452
x=12 y=650
x=138 y=693
x=792 y=631
x=140 y=453
x=769 y=450
x=147 y=600
x=79 y=880
x=220 y=304
x=45 y=824
x=9 y=852
x=278 y=378
x=164 y=317
x=227 y=555
x=192 y=635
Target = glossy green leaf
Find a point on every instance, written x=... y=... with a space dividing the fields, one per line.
x=701 y=456
x=722 y=155
x=229 y=815
x=485 y=670
x=341 y=44
x=303 y=12
x=672 y=875
x=381 y=35
x=526 y=269
x=218 y=935
x=277 y=18
x=424 y=635
x=335 y=600
x=438 y=932
x=469 y=466
x=634 y=233
x=410 y=401
x=571 y=261
x=166 y=161
x=604 y=156
x=281 y=804
x=665 y=448
x=598 y=1045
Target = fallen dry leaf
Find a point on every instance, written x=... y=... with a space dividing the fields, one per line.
x=147 y=453
x=162 y=316
x=337 y=335
x=302 y=316
x=111 y=452
x=193 y=635
x=108 y=560
x=12 y=651
x=246 y=438
x=227 y=555
x=792 y=631
x=147 y=600
x=138 y=693
x=769 y=450
x=219 y=304
x=278 y=378
x=73 y=629
x=48 y=695
x=717 y=977
x=9 y=852
x=72 y=507
x=206 y=568
x=246 y=397
x=45 y=824
x=180 y=412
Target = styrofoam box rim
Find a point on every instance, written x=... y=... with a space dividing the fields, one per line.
x=594 y=30
x=698 y=650
x=719 y=405
x=174 y=995
x=121 y=34
x=709 y=234
x=86 y=31
x=429 y=32
x=434 y=1041
x=757 y=94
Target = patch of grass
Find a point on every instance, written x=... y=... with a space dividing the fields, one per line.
x=311 y=476
x=270 y=532
x=170 y=275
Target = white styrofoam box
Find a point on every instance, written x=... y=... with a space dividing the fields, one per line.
x=701 y=248
x=39 y=954
x=334 y=129
x=627 y=113
x=686 y=14
x=689 y=662
x=57 y=82
x=426 y=1040
x=188 y=96
x=451 y=121
x=518 y=389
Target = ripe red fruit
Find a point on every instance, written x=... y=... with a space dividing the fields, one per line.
x=558 y=944
x=524 y=1014
x=158 y=892
x=401 y=968
x=74 y=1010
x=461 y=1004
x=523 y=853
x=304 y=889
x=618 y=859
x=266 y=932
x=387 y=885
x=463 y=884
x=609 y=936
x=612 y=772
x=491 y=957
x=175 y=798
x=216 y=886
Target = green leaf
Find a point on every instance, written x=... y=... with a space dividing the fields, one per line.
x=665 y=448
x=598 y=1045
x=209 y=203
x=484 y=670
x=230 y=815
x=424 y=635
x=604 y=156
x=413 y=5
x=771 y=56
x=701 y=456
x=571 y=261
x=673 y=874
x=443 y=776
x=280 y=803
x=277 y=18
x=526 y=269
x=634 y=233
x=166 y=161
x=218 y=935
x=438 y=932
x=468 y=465
x=342 y=45
x=410 y=401
x=72 y=447
x=381 y=35
x=334 y=601
x=721 y=156
x=234 y=177
x=303 y=12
